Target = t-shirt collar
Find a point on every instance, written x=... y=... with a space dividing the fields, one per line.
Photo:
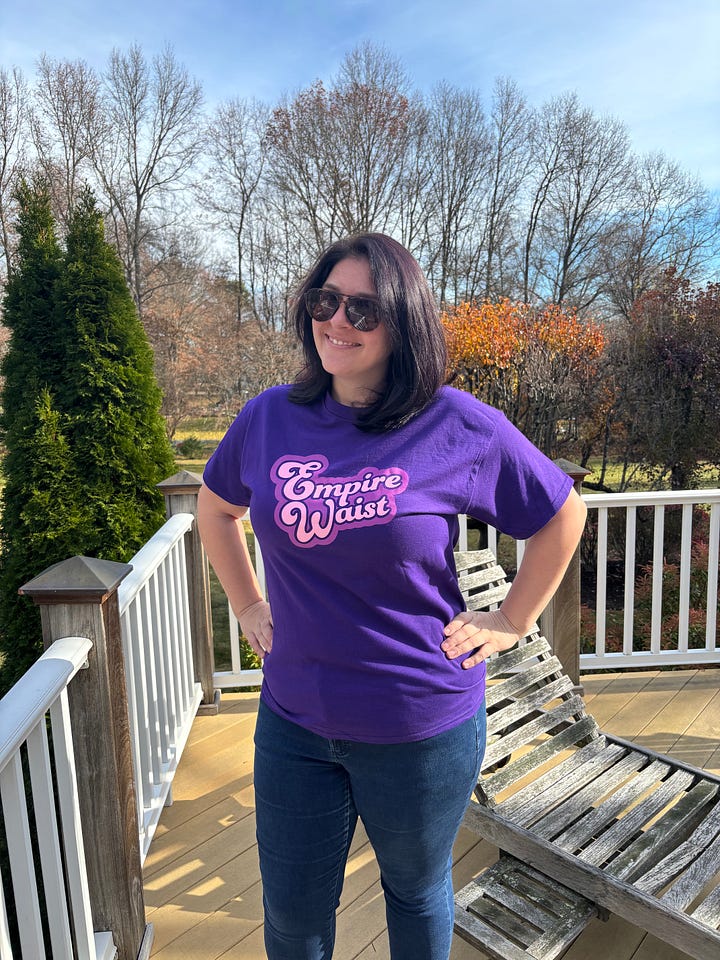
x=340 y=410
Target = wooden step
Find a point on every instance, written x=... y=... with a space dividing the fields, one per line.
x=513 y=912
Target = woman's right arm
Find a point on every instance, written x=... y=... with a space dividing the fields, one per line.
x=223 y=536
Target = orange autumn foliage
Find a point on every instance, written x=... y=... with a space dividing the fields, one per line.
x=502 y=334
x=533 y=363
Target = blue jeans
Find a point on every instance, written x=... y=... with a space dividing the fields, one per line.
x=411 y=797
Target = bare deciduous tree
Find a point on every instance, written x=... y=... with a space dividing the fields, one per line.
x=236 y=153
x=13 y=117
x=458 y=149
x=64 y=114
x=341 y=153
x=546 y=152
x=671 y=223
x=145 y=144
x=585 y=201
x=509 y=129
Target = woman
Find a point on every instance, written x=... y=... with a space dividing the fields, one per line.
x=372 y=698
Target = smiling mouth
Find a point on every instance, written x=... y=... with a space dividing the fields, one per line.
x=341 y=343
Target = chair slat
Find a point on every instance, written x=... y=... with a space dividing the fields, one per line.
x=560 y=782
x=690 y=885
x=521 y=683
x=526 y=732
x=625 y=829
x=676 y=861
x=709 y=910
x=569 y=815
x=530 y=703
x=663 y=836
x=489 y=787
x=512 y=659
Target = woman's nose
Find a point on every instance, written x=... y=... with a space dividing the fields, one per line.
x=340 y=316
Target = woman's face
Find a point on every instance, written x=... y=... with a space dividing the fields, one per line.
x=356 y=360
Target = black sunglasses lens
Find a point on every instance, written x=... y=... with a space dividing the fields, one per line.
x=361 y=314
x=321 y=304
x=324 y=304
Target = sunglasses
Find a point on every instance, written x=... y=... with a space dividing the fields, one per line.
x=362 y=313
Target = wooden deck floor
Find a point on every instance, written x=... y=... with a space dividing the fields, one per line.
x=202 y=886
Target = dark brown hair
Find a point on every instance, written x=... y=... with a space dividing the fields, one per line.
x=417 y=364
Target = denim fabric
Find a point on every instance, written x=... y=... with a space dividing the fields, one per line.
x=411 y=797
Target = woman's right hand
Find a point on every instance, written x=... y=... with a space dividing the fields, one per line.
x=257 y=626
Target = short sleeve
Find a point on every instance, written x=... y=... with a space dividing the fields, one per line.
x=516 y=488
x=225 y=470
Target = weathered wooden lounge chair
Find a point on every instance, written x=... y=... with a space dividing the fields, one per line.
x=585 y=822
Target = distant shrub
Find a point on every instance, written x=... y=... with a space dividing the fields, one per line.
x=192 y=448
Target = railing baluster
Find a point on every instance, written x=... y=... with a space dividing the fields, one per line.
x=183 y=627
x=152 y=685
x=5 y=950
x=601 y=588
x=137 y=709
x=171 y=615
x=711 y=624
x=235 y=658
x=462 y=532
x=48 y=841
x=165 y=630
x=73 y=843
x=162 y=658
x=492 y=540
x=685 y=564
x=628 y=620
x=185 y=613
x=658 y=569
x=17 y=833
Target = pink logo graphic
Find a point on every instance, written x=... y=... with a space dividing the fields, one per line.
x=313 y=508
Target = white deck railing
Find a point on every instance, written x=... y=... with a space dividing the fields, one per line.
x=620 y=511
x=60 y=857
x=602 y=508
x=152 y=607
x=239 y=677
x=163 y=696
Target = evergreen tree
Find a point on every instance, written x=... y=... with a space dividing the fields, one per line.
x=109 y=393
x=87 y=445
x=35 y=352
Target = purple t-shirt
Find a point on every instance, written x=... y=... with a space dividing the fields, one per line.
x=357 y=532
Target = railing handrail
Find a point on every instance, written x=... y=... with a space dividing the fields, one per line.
x=151 y=555
x=31 y=697
x=652 y=498
x=55 y=850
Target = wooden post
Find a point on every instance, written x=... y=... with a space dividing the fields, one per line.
x=560 y=621
x=181 y=495
x=78 y=597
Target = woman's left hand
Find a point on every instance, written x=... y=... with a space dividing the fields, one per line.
x=484 y=633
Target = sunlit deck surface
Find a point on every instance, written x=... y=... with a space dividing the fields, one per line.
x=202 y=885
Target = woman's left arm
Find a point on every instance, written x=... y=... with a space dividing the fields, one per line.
x=546 y=557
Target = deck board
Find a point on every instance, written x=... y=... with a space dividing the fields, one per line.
x=202 y=884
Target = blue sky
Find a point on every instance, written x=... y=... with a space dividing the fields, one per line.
x=655 y=64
